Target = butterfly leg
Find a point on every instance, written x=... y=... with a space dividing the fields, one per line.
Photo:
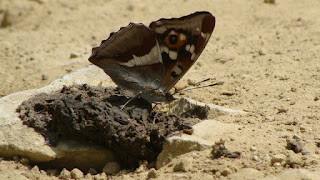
x=135 y=96
x=158 y=111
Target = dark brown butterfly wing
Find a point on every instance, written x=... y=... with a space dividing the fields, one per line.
x=181 y=42
x=131 y=58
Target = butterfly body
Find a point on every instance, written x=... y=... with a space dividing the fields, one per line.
x=151 y=60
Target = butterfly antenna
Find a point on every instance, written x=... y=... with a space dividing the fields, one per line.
x=196 y=83
x=132 y=98
x=210 y=85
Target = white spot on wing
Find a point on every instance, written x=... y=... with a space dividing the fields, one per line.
x=182 y=37
x=144 y=59
x=207 y=38
x=192 y=49
x=203 y=35
x=177 y=70
x=188 y=47
x=151 y=58
x=173 y=55
x=193 y=56
x=129 y=63
x=172 y=32
x=137 y=60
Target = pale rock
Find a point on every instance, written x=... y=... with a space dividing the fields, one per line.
x=76 y=173
x=34 y=173
x=183 y=105
x=88 y=176
x=247 y=174
x=181 y=166
x=278 y=158
x=205 y=134
x=152 y=174
x=294 y=159
x=294 y=174
x=101 y=176
x=276 y=164
x=65 y=174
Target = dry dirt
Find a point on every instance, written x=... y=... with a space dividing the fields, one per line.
x=266 y=54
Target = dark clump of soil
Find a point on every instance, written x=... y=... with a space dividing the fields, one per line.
x=295 y=145
x=93 y=114
x=219 y=150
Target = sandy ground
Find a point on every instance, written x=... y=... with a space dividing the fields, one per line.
x=267 y=55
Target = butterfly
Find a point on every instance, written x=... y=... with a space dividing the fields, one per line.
x=149 y=61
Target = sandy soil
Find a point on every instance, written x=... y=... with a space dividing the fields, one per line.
x=267 y=55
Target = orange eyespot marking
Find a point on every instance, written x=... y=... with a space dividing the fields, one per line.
x=175 y=40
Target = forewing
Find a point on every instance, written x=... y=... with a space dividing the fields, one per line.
x=181 y=41
x=131 y=58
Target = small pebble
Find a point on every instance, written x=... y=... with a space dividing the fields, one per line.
x=282 y=110
x=303 y=129
x=295 y=136
x=152 y=174
x=294 y=160
x=262 y=52
x=266 y=157
x=225 y=172
x=277 y=164
x=44 y=77
x=278 y=158
x=35 y=170
x=92 y=171
x=88 y=176
x=4 y=18
x=295 y=145
x=76 y=173
x=52 y=172
x=15 y=158
x=73 y=89
x=255 y=158
x=24 y=161
x=111 y=168
x=253 y=148
x=179 y=167
x=73 y=55
x=270 y=1
x=101 y=176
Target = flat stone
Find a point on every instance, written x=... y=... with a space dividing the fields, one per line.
x=247 y=174
x=294 y=174
x=205 y=134
x=278 y=158
x=183 y=105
